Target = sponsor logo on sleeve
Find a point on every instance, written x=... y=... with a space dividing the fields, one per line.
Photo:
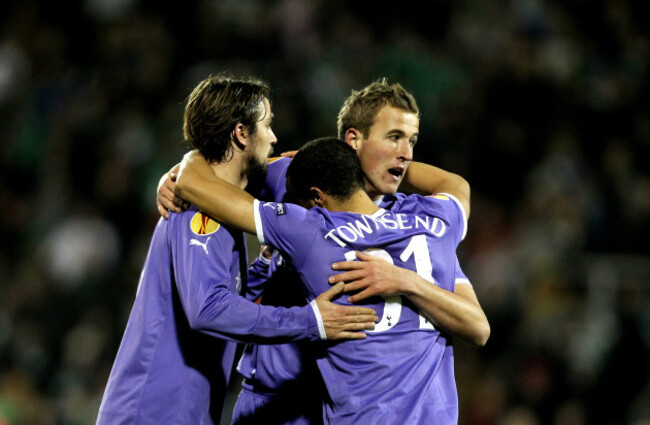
x=201 y=224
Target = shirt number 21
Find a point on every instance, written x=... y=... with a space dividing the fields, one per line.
x=419 y=250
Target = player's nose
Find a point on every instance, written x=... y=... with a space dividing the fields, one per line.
x=405 y=151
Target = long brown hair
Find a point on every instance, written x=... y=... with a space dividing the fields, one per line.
x=216 y=106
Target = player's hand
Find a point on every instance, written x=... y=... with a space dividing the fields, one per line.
x=266 y=251
x=288 y=154
x=371 y=276
x=167 y=200
x=344 y=322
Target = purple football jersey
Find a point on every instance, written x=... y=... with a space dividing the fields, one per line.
x=175 y=358
x=403 y=371
x=284 y=375
x=282 y=384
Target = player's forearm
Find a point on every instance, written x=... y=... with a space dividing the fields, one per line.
x=231 y=317
x=219 y=199
x=426 y=179
x=258 y=275
x=459 y=315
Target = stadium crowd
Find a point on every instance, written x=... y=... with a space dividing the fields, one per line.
x=541 y=105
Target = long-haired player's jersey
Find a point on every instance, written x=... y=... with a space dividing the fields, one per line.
x=178 y=348
x=403 y=371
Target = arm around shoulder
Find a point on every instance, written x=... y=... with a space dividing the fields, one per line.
x=458 y=313
x=225 y=202
x=426 y=179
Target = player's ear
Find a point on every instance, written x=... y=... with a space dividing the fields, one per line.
x=317 y=198
x=240 y=136
x=353 y=138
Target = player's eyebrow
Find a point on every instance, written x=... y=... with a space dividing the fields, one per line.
x=401 y=133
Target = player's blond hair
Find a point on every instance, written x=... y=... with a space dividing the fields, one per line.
x=361 y=107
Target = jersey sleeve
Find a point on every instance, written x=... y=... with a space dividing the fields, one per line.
x=287 y=228
x=459 y=275
x=204 y=281
x=450 y=208
x=261 y=272
x=258 y=274
x=462 y=222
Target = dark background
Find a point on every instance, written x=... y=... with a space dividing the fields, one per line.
x=541 y=104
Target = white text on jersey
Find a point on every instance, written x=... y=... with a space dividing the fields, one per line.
x=351 y=231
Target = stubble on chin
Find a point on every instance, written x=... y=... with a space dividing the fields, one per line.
x=256 y=172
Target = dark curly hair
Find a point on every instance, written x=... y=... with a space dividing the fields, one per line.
x=327 y=163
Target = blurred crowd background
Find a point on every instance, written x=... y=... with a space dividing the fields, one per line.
x=543 y=105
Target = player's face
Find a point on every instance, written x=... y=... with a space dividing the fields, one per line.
x=264 y=138
x=388 y=150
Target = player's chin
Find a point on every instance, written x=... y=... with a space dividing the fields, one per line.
x=390 y=187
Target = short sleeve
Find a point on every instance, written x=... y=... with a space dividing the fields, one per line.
x=459 y=275
x=462 y=214
x=452 y=210
x=289 y=228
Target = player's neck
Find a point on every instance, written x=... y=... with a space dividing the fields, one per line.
x=232 y=171
x=374 y=193
x=359 y=203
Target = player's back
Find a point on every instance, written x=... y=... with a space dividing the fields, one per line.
x=403 y=371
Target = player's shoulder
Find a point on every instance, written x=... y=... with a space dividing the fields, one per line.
x=279 y=163
x=195 y=223
x=443 y=205
x=200 y=236
x=448 y=201
x=388 y=201
x=436 y=204
x=316 y=217
x=282 y=210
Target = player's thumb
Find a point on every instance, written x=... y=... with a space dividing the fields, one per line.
x=364 y=256
x=334 y=291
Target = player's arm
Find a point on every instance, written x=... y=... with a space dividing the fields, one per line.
x=211 y=308
x=259 y=273
x=426 y=179
x=459 y=313
x=166 y=199
x=225 y=202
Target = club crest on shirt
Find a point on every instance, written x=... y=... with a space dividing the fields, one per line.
x=201 y=224
x=280 y=209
